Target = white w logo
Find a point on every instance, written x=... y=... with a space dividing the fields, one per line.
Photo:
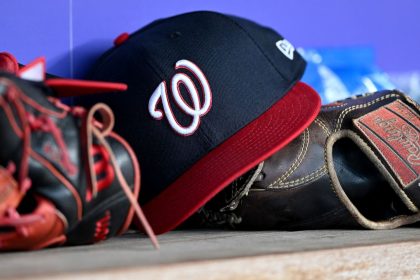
x=195 y=111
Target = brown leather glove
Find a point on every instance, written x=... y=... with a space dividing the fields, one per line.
x=358 y=164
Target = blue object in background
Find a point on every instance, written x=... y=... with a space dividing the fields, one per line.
x=337 y=73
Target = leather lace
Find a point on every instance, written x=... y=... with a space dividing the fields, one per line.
x=30 y=123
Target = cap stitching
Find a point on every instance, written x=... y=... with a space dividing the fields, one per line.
x=150 y=61
x=253 y=41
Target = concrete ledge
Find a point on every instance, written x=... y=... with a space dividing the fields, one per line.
x=346 y=254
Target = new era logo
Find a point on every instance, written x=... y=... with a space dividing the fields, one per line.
x=286 y=48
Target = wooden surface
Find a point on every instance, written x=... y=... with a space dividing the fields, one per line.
x=352 y=254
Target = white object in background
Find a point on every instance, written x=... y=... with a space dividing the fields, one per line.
x=334 y=89
x=407 y=82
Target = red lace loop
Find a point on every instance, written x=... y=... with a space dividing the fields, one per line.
x=12 y=96
x=26 y=182
x=46 y=124
x=14 y=219
x=11 y=167
x=102 y=227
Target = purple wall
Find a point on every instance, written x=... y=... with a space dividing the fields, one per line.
x=72 y=33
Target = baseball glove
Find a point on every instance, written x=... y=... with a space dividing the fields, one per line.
x=67 y=178
x=357 y=165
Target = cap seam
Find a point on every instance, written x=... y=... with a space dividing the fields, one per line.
x=155 y=68
x=162 y=20
x=254 y=42
x=225 y=17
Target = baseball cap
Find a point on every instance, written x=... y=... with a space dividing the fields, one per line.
x=209 y=97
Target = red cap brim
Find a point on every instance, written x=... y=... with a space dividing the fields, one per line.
x=254 y=143
x=69 y=88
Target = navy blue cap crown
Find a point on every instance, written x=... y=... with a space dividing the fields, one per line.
x=194 y=80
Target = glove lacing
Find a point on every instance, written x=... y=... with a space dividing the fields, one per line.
x=31 y=123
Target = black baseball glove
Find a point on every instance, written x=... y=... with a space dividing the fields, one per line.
x=66 y=177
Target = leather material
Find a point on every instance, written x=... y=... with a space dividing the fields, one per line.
x=59 y=204
x=331 y=176
x=10 y=194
